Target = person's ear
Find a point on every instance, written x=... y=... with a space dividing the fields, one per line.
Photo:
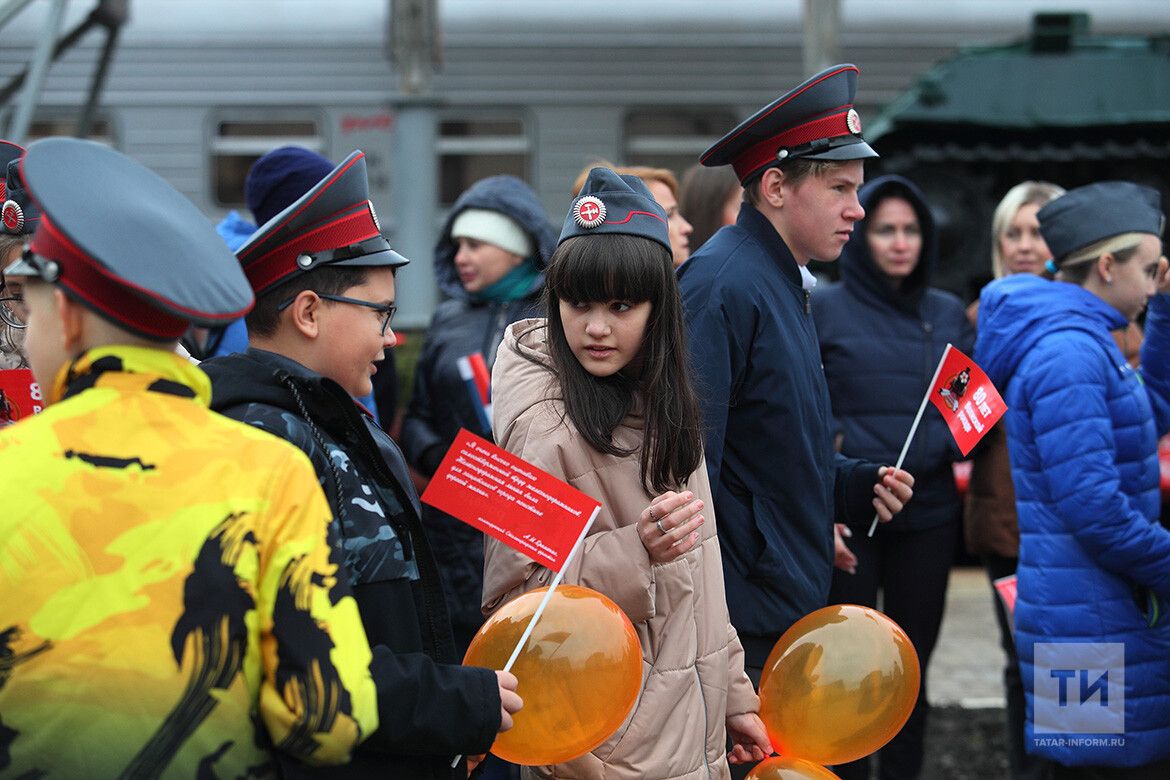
x=305 y=314
x=772 y=187
x=1105 y=264
x=73 y=322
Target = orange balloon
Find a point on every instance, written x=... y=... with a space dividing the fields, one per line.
x=579 y=673
x=838 y=685
x=788 y=768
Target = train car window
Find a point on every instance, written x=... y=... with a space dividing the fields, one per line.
x=236 y=144
x=673 y=138
x=100 y=131
x=471 y=149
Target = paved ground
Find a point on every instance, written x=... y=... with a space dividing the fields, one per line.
x=967 y=665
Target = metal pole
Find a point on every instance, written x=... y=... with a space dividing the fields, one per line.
x=85 y=123
x=822 y=22
x=38 y=71
x=414 y=47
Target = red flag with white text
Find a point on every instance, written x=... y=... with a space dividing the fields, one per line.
x=527 y=509
x=966 y=398
x=20 y=396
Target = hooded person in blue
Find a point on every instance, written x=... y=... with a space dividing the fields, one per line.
x=489 y=264
x=1083 y=428
x=882 y=331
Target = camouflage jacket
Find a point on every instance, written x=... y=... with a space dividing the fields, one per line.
x=429 y=705
x=160 y=598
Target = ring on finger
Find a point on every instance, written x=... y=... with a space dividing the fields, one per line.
x=660 y=527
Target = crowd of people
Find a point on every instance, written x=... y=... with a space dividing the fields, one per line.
x=216 y=562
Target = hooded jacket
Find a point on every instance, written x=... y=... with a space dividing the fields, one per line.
x=692 y=662
x=430 y=709
x=880 y=345
x=1082 y=430
x=440 y=404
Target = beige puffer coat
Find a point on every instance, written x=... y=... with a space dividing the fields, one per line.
x=692 y=662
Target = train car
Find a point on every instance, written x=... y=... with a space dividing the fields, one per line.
x=199 y=89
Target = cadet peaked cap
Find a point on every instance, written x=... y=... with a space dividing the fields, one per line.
x=280 y=177
x=18 y=214
x=815 y=121
x=125 y=243
x=332 y=224
x=1092 y=213
x=611 y=203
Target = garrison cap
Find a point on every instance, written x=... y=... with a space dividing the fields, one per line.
x=611 y=203
x=1092 y=213
x=125 y=243
x=332 y=224
x=18 y=214
x=815 y=121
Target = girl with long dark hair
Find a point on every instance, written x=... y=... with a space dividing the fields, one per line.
x=599 y=394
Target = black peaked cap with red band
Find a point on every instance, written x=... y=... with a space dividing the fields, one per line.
x=117 y=237
x=332 y=224
x=815 y=121
x=18 y=213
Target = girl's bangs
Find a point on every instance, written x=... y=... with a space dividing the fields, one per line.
x=611 y=267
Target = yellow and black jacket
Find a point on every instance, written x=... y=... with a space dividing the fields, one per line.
x=169 y=603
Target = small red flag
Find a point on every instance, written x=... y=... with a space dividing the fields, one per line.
x=527 y=509
x=20 y=396
x=966 y=398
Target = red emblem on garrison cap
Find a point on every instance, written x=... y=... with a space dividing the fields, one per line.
x=589 y=212
x=13 y=216
x=853 y=121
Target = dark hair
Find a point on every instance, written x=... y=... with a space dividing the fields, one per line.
x=326 y=280
x=702 y=197
x=610 y=267
x=795 y=170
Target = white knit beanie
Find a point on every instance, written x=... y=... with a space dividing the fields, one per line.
x=492 y=227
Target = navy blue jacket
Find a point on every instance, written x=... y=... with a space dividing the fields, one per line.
x=880 y=345
x=776 y=480
x=1083 y=432
x=440 y=404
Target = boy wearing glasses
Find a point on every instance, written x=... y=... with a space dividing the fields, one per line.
x=323 y=275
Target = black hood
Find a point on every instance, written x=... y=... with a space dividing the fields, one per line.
x=858 y=270
x=254 y=376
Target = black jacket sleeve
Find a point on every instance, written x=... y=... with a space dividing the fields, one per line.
x=853 y=492
x=425 y=708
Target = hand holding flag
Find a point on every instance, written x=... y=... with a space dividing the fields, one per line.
x=967 y=399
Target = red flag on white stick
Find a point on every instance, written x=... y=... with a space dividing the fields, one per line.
x=966 y=398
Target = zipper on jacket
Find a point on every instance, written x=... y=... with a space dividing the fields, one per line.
x=807 y=301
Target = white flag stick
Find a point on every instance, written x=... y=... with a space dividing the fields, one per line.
x=544 y=602
x=914 y=426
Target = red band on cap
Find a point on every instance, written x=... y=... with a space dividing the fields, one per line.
x=764 y=152
x=115 y=298
x=335 y=232
x=631 y=216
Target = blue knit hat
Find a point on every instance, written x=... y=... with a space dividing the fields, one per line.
x=280 y=178
x=610 y=203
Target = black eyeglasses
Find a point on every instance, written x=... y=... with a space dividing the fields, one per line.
x=386 y=310
x=12 y=309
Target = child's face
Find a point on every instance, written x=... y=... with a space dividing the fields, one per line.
x=605 y=337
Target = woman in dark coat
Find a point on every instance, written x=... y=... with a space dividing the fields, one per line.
x=489 y=264
x=882 y=332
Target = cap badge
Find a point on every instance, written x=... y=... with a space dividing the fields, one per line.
x=589 y=212
x=853 y=121
x=374 y=215
x=13 y=216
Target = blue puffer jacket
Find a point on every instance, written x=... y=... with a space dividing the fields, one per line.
x=1082 y=434
x=440 y=404
x=880 y=345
